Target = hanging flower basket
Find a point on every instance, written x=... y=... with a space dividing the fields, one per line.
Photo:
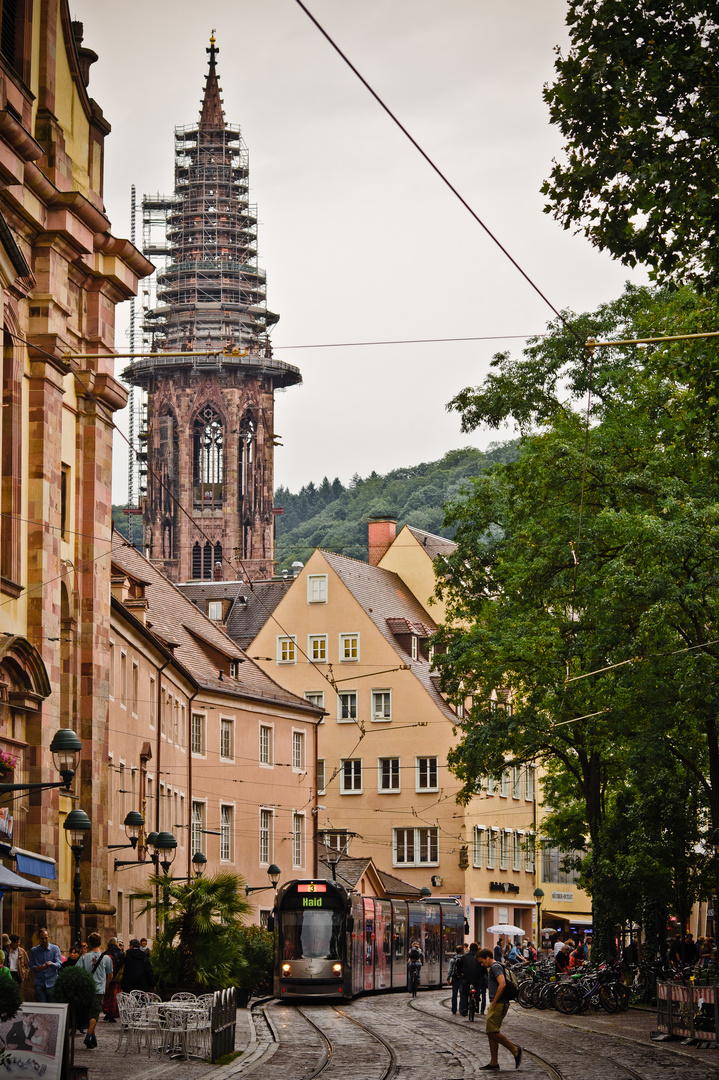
x=8 y=763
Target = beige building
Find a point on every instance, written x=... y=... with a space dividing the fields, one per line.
x=202 y=743
x=353 y=637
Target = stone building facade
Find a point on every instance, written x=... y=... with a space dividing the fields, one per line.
x=62 y=271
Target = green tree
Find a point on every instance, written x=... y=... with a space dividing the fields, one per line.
x=200 y=921
x=606 y=632
x=637 y=101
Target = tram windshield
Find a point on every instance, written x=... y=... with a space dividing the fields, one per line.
x=309 y=935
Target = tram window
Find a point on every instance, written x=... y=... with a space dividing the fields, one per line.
x=310 y=935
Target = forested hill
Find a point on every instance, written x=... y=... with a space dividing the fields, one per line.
x=335 y=517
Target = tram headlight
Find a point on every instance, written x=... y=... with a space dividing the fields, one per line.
x=337 y=969
x=286 y=969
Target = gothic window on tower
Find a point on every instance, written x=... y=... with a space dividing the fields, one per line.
x=208 y=460
x=196 y=560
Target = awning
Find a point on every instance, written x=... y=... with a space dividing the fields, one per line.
x=9 y=880
x=578 y=918
x=29 y=862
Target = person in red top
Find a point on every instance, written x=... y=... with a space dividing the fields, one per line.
x=561 y=960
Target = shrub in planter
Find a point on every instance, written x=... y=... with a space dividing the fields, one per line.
x=10 y=997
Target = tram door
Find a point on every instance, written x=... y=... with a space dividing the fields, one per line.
x=431 y=972
x=369 y=944
x=383 y=944
x=399 y=944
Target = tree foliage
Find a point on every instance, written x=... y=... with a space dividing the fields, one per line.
x=415 y=495
x=637 y=101
x=604 y=632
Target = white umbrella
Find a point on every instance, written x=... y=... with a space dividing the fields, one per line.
x=505 y=928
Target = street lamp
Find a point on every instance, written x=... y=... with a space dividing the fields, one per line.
x=199 y=862
x=66 y=749
x=164 y=847
x=133 y=823
x=77 y=825
x=539 y=896
x=274 y=873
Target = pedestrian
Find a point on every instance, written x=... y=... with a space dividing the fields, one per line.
x=561 y=960
x=16 y=960
x=496 y=1013
x=499 y=949
x=144 y=945
x=99 y=964
x=72 y=957
x=472 y=975
x=454 y=974
x=45 y=962
x=137 y=973
x=115 y=952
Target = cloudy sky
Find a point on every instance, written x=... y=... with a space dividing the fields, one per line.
x=360 y=240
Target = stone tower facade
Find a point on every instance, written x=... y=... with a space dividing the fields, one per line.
x=211 y=379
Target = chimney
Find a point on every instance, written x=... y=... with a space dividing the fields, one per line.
x=217 y=572
x=381 y=532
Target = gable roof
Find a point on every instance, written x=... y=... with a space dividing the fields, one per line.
x=350 y=871
x=251 y=603
x=197 y=642
x=432 y=544
x=385 y=598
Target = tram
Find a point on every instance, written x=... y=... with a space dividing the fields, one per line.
x=333 y=943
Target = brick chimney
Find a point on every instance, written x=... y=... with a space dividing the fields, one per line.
x=381 y=532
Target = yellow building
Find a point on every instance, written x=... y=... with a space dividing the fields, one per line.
x=353 y=637
x=62 y=272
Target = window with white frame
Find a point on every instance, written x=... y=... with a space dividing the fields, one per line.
x=517 y=850
x=426 y=773
x=153 y=702
x=197 y=742
x=286 y=650
x=415 y=847
x=298 y=839
x=415 y=647
x=135 y=687
x=214 y=610
x=492 y=849
x=298 y=751
x=266 y=754
x=317 y=648
x=351 y=776
x=504 y=849
x=477 y=845
x=198 y=826
x=347 y=706
x=264 y=915
x=317 y=588
x=349 y=647
x=504 y=784
x=529 y=783
x=516 y=782
x=491 y=786
x=317 y=697
x=226 y=831
x=227 y=741
x=321 y=776
x=388 y=774
x=381 y=705
x=266 y=824
x=529 y=849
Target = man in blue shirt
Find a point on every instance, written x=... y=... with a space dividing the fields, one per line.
x=45 y=962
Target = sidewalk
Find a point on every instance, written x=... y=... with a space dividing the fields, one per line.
x=105 y=1063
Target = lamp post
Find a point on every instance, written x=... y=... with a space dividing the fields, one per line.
x=539 y=896
x=274 y=873
x=133 y=823
x=164 y=847
x=77 y=825
x=199 y=862
x=65 y=749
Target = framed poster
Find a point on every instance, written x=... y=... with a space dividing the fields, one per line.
x=31 y=1044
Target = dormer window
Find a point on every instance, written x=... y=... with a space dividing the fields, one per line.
x=214 y=610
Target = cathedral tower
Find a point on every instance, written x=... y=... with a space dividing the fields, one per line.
x=211 y=378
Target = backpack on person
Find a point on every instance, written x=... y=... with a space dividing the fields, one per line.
x=511 y=986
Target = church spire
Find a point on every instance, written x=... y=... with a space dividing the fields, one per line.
x=212 y=115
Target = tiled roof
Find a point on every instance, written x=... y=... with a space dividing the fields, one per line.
x=433 y=545
x=174 y=619
x=384 y=596
x=252 y=603
x=404 y=626
x=349 y=872
x=396 y=887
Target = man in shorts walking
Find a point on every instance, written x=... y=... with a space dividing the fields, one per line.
x=496 y=1013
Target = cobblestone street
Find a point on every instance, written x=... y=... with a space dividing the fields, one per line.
x=391 y=1036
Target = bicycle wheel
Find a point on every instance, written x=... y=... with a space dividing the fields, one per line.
x=524 y=995
x=565 y=992
x=572 y=1000
x=546 y=998
x=608 y=998
x=622 y=994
